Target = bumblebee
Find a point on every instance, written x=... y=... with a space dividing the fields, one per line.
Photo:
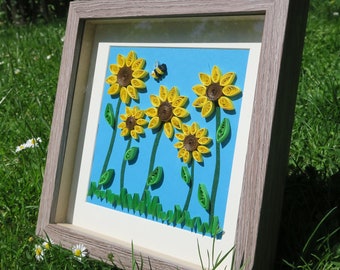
x=159 y=72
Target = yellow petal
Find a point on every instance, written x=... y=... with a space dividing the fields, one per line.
x=204 y=141
x=122 y=125
x=185 y=129
x=228 y=78
x=137 y=83
x=134 y=134
x=141 y=122
x=114 y=89
x=125 y=131
x=173 y=94
x=138 y=64
x=123 y=117
x=111 y=79
x=163 y=93
x=226 y=103
x=176 y=122
x=139 y=73
x=207 y=109
x=199 y=89
x=200 y=101
x=201 y=132
x=205 y=79
x=179 y=145
x=120 y=60
x=132 y=92
x=130 y=58
x=231 y=90
x=168 y=130
x=203 y=149
x=139 y=114
x=180 y=112
x=154 y=122
x=151 y=112
x=155 y=100
x=114 y=68
x=179 y=101
x=139 y=129
x=197 y=156
x=128 y=111
x=194 y=127
x=124 y=95
x=180 y=136
x=215 y=74
x=181 y=153
x=186 y=156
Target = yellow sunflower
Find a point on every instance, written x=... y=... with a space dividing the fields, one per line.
x=192 y=142
x=127 y=77
x=133 y=122
x=216 y=89
x=168 y=110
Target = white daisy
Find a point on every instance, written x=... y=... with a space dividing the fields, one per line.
x=79 y=251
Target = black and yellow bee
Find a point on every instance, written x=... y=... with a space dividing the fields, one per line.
x=159 y=72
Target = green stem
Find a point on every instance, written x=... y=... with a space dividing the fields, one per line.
x=217 y=170
x=122 y=169
x=186 y=205
x=113 y=136
x=153 y=156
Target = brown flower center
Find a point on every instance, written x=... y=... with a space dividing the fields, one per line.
x=130 y=122
x=165 y=112
x=124 y=76
x=190 y=143
x=214 y=91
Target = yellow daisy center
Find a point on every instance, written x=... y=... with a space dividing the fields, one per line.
x=77 y=252
x=214 y=91
x=165 y=111
x=130 y=122
x=124 y=76
x=190 y=143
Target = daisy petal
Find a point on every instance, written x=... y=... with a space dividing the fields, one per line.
x=200 y=101
x=176 y=122
x=137 y=83
x=114 y=89
x=163 y=93
x=132 y=92
x=154 y=122
x=130 y=58
x=173 y=94
x=120 y=60
x=199 y=89
x=205 y=79
x=138 y=64
x=228 y=78
x=197 y=156
x=207 y=109
x=215 y=74
x=231 y=90
x=168 y=130
x=226 y=103
x=151 y=112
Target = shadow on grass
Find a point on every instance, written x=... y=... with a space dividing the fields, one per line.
x=308 y=197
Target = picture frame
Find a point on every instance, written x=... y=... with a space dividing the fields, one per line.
x=190 y=37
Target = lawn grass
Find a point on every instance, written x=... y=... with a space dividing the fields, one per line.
x=29 y=65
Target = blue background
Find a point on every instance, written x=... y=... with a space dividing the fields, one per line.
x=184 y=65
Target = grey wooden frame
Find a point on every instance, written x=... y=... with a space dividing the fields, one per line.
x=271 y=123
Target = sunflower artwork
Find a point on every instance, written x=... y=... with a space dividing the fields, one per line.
x=164 y=148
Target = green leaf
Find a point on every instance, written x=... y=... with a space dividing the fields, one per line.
x=155 y=176
x=109 y=115
x=203 y=197
x=106 y=177
x=223 y=130
x=186 y=175
x=131 y=153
